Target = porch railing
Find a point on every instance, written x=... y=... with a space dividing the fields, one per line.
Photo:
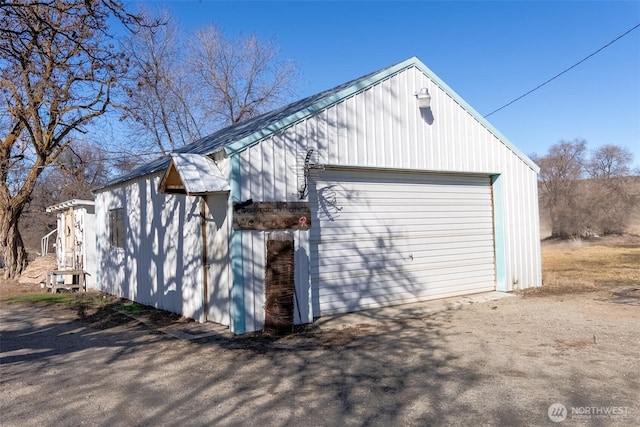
x=44 y=243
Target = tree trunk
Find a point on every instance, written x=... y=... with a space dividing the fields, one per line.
x=13 y=252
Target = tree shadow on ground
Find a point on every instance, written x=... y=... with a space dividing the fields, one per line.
x=354 y=375
x=407 y=369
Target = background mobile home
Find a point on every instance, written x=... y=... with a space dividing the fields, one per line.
x=75 y=247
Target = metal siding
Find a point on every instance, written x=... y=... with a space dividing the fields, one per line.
x=303 y=309
x=199 y=174
x=498 y=231
x=110 y=261
x=349 y=133
x=385 y=238
x=218 y=258
x=161 y=263
x=253 y=245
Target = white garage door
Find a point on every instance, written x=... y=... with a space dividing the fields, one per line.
x=383 y=238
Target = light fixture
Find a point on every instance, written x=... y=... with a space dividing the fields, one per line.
x=423 y=97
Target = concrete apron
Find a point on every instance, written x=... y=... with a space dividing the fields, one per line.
x=379 y=316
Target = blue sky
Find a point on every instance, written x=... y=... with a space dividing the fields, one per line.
x=488 y=52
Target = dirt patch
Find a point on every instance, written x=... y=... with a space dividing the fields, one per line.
x=503 y=362
x=97 y=309
x=38 y=269
x=579 y=350
x=629 y=296
x=11 y=288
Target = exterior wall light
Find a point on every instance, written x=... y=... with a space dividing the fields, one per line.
x=423 y=97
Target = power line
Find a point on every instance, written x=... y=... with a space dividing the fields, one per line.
x=568 y=69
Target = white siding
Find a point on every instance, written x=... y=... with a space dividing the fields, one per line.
x=217 y=258
x=254 y=244
x=77 y=249
x=89 y=246
x=383 y=128
x=390 y=238
x=161 y=264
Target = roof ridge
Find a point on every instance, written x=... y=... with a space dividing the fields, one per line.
x=236 y=138
x=233 y=140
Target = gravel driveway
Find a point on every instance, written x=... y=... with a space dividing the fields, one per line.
x=502 y=362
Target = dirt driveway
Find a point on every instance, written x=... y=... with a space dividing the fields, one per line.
x=502 y=362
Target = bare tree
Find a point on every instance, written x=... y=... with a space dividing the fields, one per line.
x=240 y=78
x=609 y=161
x=59 y=70
x=613 y=192
x=79 y=168
x=186 y=88
x=586 y=196
x=560 y=173
x=164 y=102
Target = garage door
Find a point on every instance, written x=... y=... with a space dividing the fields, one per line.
x=383 y=238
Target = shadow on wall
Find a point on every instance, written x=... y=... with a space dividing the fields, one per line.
x=427 y=115
x=163 y=249
x=373 y=244
x=217 y=268
x=346 y=268
x=274 y=170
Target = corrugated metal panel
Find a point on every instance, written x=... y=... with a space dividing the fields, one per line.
x=237 y=138
x=161 y=263
x=387 y=238
x=254 y=246
x=393 y=134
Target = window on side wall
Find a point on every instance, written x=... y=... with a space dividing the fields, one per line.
x=116 y=227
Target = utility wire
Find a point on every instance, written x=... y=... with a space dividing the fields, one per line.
x=568 y=69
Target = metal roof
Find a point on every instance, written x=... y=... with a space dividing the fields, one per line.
x=193 y=174
x=236 y=138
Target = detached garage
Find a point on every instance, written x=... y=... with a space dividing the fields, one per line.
x=384 y=190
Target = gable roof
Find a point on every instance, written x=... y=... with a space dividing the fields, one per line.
x=192 y=174
x=236 y=138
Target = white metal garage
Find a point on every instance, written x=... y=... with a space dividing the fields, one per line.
x=384 y=237
x=391 y=187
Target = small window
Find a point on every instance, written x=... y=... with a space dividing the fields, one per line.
x=116 y=227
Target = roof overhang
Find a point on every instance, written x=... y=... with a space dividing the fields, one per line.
x=193 y=175
x=70 y=204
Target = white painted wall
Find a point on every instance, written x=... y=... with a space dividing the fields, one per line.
x=218 y=271
x=85 y=233
x=161 y=264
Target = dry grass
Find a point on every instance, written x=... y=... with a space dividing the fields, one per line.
x=584 y=266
